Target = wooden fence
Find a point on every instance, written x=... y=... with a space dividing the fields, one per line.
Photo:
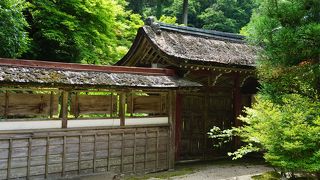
x=54 y=154
x=53 y=133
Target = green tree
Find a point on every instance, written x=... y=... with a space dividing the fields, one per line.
x=227 y=15
x=224 y=15
x=13 y=35
x=284 y=122
x=91 y=32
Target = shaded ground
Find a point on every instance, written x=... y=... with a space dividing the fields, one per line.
x=213 y=170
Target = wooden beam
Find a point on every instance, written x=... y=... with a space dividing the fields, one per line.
x=64 y=109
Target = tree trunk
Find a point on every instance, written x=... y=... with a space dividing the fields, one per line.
x=185 y=12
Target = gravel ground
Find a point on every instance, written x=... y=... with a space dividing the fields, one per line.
x=215 y=170
x=226 y=171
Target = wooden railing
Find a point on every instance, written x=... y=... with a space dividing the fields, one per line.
x=54 y=108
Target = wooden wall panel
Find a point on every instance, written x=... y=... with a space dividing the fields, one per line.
x=93 y=104
x=2 y=103
x=28 y=104
x=71 y=153
x=146 y=104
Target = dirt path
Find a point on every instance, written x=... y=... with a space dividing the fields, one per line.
x=209 y=170
x=225 y=171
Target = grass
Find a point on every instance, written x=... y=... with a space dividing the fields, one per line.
x=272 y=175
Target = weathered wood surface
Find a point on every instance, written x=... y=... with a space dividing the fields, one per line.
x=200 y=112
x=72 y=152
x=28 y=104
x=155 y=104
x=93 y=104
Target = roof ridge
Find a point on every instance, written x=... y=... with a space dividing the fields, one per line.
x=203 y=32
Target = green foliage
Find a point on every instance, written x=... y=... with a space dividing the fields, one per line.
x=227 y=15
x=285 y=121
x=223 y=15
x=287 y=131
x=279 y=81
x=289 y=30
x=168 y=19
x=94 y=32
x=13 y=36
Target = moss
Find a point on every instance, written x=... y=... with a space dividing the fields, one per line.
x=163 y=175
x=272 y=175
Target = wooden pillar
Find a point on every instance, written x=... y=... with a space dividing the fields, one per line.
x=178 y=126
x=6 y=108
x=122 y=106
x=64 y=109
x=236 y=105
x=205 y=125
x=172 y=123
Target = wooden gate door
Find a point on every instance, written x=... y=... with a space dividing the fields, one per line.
x=192 y=127
x=199 y=113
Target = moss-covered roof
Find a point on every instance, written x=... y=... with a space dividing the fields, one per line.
x=57 y=74
x=185 y=45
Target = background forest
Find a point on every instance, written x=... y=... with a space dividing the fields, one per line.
x=101 y=31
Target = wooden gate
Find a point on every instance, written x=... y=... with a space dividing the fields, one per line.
x=199 y=113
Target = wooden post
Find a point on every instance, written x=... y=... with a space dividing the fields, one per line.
x=236 y=106
x=205 y=125
x=6 y=108
x=64 y=109
x=178 y=107
x=76 y=105
x=9 y=160
x=172 y=119
x=79 y=155
x=51 y=104
x=122 y=106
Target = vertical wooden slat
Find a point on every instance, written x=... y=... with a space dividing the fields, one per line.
x=122 y=106
x=205 y=128
x=6 y=105
x=134 y=150
x=76 y=105
x=236 y=106
x=64 y=109
x=172 y=117
x=132 y=104
x=29 y=157
x=51 y=104
x=64 y=156
x=160 y=105
x=146 y=150
x=111 y=106
x=108 y=158
x=9 y=159
x=94 y=152
x=122 y=151
x=47 y=157
x=178 y=123
x=79 y=155
x=157 y=150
